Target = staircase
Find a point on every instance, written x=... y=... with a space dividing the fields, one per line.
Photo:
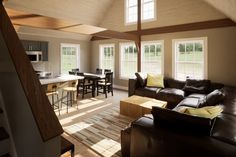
x=4 y=137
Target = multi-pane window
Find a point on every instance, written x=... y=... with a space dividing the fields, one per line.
x=190 y=57
x=107 y=57
x=69 y=57
x=128 y=60
x=147 y=10
x=152 y=57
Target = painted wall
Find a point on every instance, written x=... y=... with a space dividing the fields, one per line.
x=53 y=63
x=169 y=12
x=221 y=53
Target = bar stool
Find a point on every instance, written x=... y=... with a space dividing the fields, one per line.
x=70 y=91
x=52 y=92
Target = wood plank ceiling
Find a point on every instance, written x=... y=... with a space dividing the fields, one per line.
x=20 y=18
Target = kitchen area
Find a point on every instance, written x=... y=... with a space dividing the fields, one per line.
x=37 y=51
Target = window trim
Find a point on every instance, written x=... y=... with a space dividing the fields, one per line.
x=120 y=58
x=126 y=23
x=78 y=54
x=100 y=55
x=205 y=47
x=163 y=52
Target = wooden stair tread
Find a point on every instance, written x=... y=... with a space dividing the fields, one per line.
x=6 y=155
x=3 y=134
x=66 y=145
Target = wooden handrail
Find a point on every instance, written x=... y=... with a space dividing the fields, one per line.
x=45 y=118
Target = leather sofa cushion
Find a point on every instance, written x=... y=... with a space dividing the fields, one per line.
x=197 y=86
x=147 y=92
x=172 y=83
x=225 y=128
x=189 y=102
x=142 y=78
x=181 y=122
x=171 y=95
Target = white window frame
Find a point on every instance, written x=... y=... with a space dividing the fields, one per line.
x=190 y=40
x=161 y=42
x=101 y=47
x=142 y=21
x=78 y=53
x=120 y=59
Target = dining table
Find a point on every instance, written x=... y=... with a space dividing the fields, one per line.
x=94 y=78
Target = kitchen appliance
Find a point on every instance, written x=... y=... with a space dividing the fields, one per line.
x=35 y=56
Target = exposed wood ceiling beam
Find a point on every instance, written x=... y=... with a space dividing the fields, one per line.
x=68 y=26
x=183 y=27
x=187 y=27
x=115 y=34
x=24 y=16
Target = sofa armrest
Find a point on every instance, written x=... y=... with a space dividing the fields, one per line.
x=132 y=86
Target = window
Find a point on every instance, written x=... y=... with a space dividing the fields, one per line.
x=148 y=10
x=152 y=57
x=107 y=57
x=190 y=58
x=69 y=57
x=128 y=60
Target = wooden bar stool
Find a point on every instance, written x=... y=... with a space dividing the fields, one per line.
x=70 y=92
x=53 y=93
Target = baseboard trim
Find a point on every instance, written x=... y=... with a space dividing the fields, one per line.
x=120 y=87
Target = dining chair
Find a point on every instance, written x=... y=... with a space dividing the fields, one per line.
x=107 y=70
x=53 y=93
x=107 y=85
x=85 y=86
x=75 y=70
x=72 y=72
x=98 y=71
x=70 y=91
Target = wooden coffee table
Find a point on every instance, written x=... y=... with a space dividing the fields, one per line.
x=136 y=106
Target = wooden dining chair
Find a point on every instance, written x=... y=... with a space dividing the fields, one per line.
x=98 y=71
x=85 y=86
x=107 y=70
x=107 y=85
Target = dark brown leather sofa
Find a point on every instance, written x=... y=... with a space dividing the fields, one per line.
x=168 y=133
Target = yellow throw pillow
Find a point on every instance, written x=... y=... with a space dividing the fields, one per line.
x=155 y=80
x=206 y=112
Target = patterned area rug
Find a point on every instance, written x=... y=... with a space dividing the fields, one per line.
x=101 y=132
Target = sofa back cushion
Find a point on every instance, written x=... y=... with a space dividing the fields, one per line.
x=172 y=83
x=197 y=86
x=142 y=78
x=182 y=122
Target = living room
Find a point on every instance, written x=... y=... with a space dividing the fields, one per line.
x=174 y=40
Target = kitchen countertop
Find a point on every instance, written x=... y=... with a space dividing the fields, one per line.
x=63 y=78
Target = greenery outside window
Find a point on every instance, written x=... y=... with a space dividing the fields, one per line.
x=190 y=58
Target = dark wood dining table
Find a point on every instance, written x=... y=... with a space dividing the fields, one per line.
x=94 y=78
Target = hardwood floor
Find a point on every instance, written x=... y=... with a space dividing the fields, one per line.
x=87 y=107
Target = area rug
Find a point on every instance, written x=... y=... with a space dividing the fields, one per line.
x=101 y=132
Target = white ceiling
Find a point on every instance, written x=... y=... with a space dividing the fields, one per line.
x=227 y=7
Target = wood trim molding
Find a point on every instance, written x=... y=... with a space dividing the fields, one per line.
x=184 y=27
x=45 y=118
